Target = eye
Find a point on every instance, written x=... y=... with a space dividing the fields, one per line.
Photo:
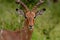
x=35 y=17
x=25 y=17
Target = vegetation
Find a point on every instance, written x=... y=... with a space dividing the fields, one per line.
x=47 y=26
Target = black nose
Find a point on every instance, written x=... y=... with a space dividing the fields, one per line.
x=30 y=27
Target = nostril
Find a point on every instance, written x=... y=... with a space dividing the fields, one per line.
x=30 y=27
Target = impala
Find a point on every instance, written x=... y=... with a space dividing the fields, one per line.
x=26 y=32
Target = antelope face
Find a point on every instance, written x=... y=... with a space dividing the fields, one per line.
x=29 y=16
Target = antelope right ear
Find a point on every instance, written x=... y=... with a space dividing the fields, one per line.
x=20 y=11
x=40 y=12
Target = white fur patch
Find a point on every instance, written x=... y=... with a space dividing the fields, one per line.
x=1 y=34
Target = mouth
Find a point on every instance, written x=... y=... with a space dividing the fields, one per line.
x=31 y=27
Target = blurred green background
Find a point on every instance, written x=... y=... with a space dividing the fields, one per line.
x=47 y=26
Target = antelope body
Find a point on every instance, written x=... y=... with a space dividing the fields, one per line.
x=27 y=30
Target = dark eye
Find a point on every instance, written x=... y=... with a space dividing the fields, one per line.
x=35 y=17
x=25 y=17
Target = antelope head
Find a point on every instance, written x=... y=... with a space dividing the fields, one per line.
x=30 y=15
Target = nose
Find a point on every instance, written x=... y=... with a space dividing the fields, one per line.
x=30 y=27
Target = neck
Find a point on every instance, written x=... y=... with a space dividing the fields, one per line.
x=27 y=31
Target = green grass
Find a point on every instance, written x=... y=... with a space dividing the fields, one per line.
x=49 y=21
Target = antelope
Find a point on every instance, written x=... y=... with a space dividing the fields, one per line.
x=26 y=32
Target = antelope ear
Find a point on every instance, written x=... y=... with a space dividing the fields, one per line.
x=20 y=11
x=40 y=12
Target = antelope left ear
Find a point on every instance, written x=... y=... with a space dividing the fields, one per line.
x=40 y=12
x=19 y=11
